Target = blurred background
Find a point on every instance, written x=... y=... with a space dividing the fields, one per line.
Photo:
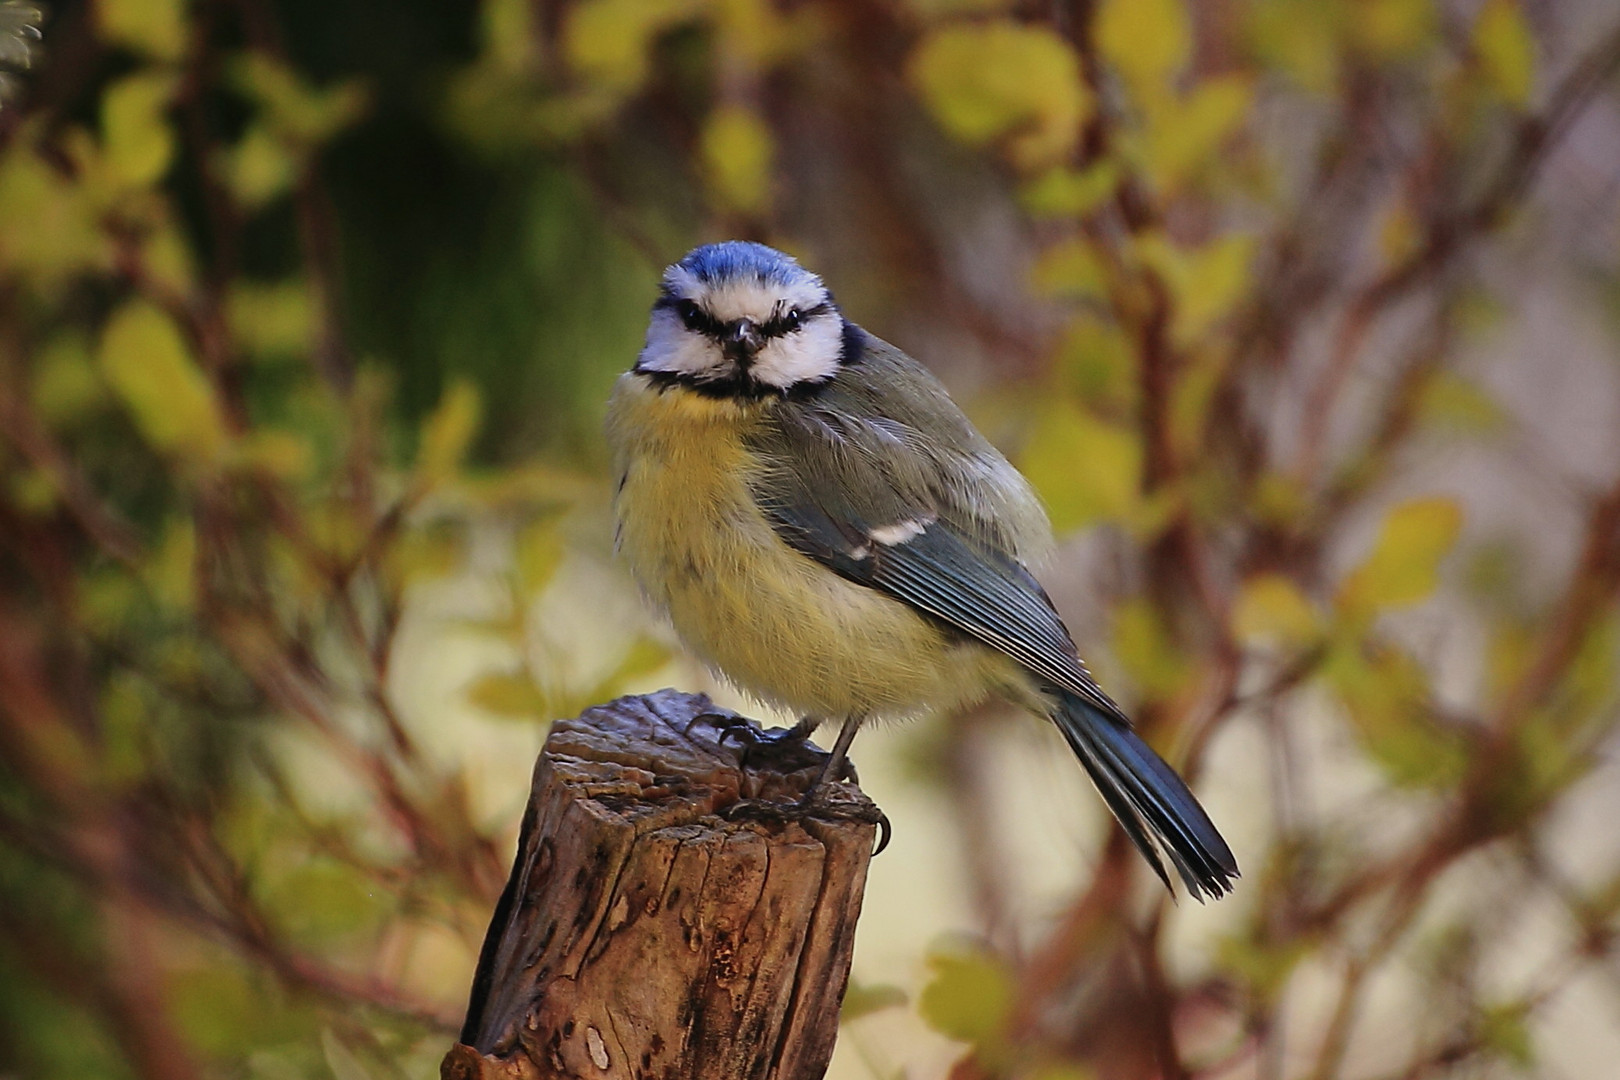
x=1302 y=315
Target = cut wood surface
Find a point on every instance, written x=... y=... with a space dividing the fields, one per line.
x=642 y=934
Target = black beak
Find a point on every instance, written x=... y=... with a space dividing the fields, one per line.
x=741 y=341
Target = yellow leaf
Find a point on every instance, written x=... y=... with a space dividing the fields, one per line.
x=302 y=114
x=1070 y=268
x=1392 y=29
x=1301 y=39
x=1185 y=137
x=424 y=554
x=135 y=127
x=258 y=168
x=510 y=34
x=508 y=695
x=1452 y=403
x=1398 y=233
x=737 y=158
x=147 y=363
x=607 y=41
x=282 y=454
x=1205 y=284
x=1270 y=609
x=168 y=259
x=1404 y=565
x=969 y=997
x=65 y=388
x=448 y=433
x=1146 y=41
x=271 y=319
x=1144 y=648
x=1100 y=364
x=1505 y=50
x=998 y=80
x=1386 y=695
x=156 y=28
x=170 y=571
x=1191 y=397
x=49 y=226
x=1064 y=192
x=1085 y=469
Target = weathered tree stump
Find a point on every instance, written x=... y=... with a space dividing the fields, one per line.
x=643 y=935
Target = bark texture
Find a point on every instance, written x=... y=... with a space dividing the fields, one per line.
x=641 y=935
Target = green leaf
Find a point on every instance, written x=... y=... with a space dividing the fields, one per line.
x=1100 y=363
x=138 y=143
x=1071 y=268
x=607 y=42
x=1505 y=51
x=510 y=695
x=344 y=1063
x=1147 y=41
x=969 y=997
x=1392 y=30
x=1301 y=39
x=271 y=319
x=448 y=433
x=1271 y=609
x=1404 y=565
x=170 y=571
x=863 y=999
x=258 y=168
x=302 y=114
x=737 y=150
x=1454 y=404
x=1064 y=192
x=149 y=367
x=1205 y=283
x=50 y=228
x=1145 y=649
x=156 y=28
x=65 y=388
x=1086 y=469
x=1386 y=694
x=1003 y=81
x=1506 y=1030
x=1184 y=138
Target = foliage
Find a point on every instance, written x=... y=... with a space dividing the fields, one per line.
x=307 y=313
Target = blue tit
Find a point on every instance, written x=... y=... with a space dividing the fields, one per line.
x=825 y=528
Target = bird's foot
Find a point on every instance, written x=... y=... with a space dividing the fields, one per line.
x=779 y=750
x=822 y=802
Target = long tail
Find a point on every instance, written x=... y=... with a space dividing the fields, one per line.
x=1150 y=800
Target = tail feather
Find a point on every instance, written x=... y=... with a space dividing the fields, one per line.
x=1152 y=803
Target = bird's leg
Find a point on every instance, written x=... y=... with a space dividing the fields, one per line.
x=835 y=767
x=838 y=766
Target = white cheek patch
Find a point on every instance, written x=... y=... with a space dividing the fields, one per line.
x=808 y=355
x=900 y=532
x=674 y=349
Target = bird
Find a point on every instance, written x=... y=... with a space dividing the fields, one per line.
x=825 y=528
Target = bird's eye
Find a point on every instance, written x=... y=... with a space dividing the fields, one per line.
x=793 y=320
x=690 y=314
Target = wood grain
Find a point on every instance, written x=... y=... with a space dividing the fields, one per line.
x=643 y=935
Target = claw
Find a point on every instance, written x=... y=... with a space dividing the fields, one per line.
x=721 y=718
x=777 y=813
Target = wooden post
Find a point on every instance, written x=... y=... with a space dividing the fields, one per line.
x=641 y=935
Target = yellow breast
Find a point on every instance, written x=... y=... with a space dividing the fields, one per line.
x=773 y=621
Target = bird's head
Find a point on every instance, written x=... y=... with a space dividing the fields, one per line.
x=738 y=318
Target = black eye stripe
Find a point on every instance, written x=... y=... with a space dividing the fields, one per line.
x=699 y=321
x=791 y=320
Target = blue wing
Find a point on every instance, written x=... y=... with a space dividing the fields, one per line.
x=981 y=592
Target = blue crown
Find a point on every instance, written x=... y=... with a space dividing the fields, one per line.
x=733 y=259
